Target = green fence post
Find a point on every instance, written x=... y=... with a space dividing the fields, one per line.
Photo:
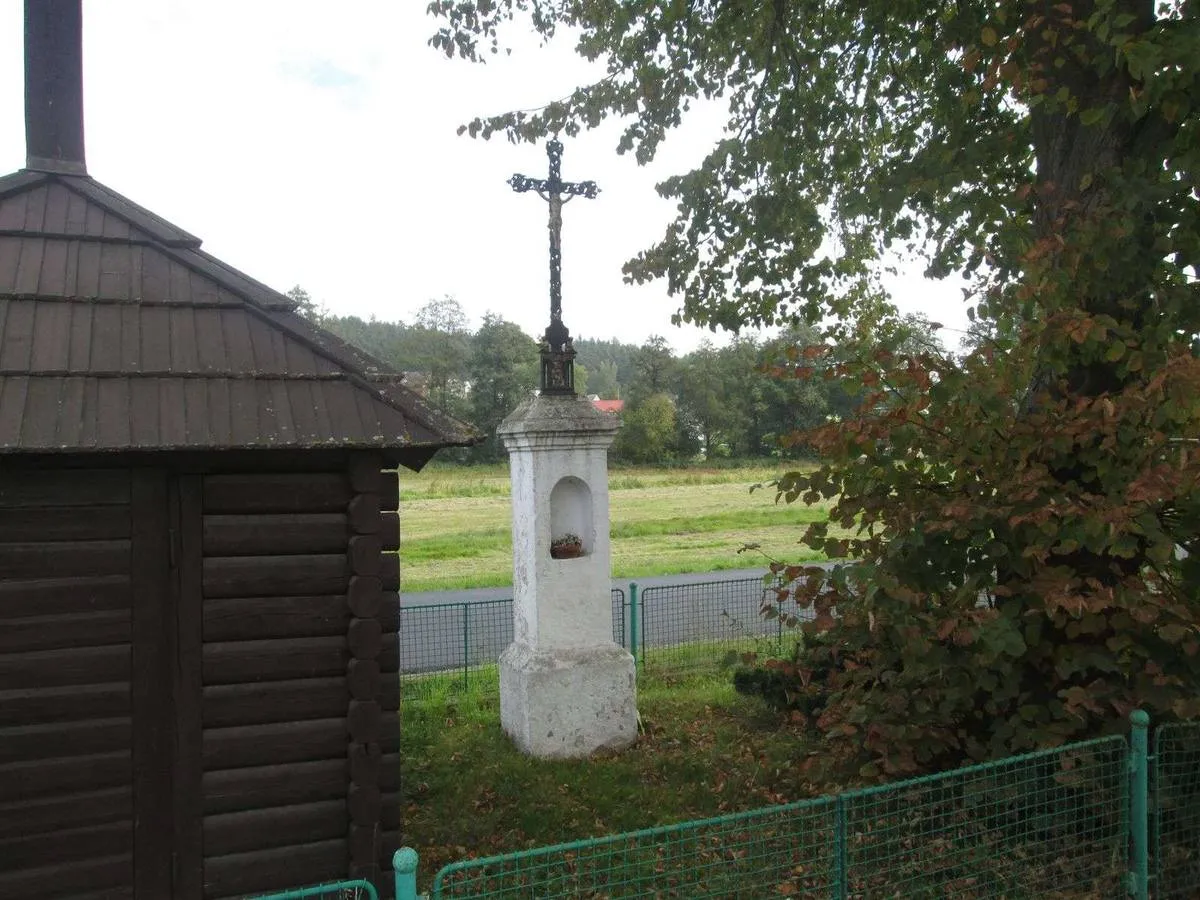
x=466 y=646
x=404 y=866
x=1139 y=785
x=633 y=622
x=839 y=848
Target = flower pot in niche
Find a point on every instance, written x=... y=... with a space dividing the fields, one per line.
x=568 y=546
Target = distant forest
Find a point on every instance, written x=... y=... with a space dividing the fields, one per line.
x=734 y=401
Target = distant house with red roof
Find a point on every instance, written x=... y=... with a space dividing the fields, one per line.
x=608 y=406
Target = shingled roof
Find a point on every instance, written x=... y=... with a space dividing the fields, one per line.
x=117 y=332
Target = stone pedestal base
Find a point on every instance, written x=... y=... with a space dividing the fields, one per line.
x=568 y=703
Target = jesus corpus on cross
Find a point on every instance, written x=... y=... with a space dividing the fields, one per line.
x=558 y=353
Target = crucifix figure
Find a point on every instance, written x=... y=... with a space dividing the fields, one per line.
x=558 y=352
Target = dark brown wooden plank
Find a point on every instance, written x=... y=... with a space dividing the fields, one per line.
x=62 y=739
x=277 y=493
x=388 y=613
x=280 y=826
x=106 y=875
x=229 y=790
x=33 y=706
x=389 y=571
x=275 y=744
x=267 y=535
x=390 y=766
x=389 y=734
x=79 y=487
x=389 y=693
x=188 y=799
x=365 y=638
x=366 y=472
x=279 y=868
x=389 y=530
x=362 y=679
x=57 y=668
x=63 y=596
x=69 y=845
x=364 y=554
x=16 y=343
x=26 y=780
x=51 y=338
x=364 y=595
x=47 y=815
x=364 y=763
x=389 y=653
x=363 y=801
x=63 y=559
x=277 y=701
x=389 y=843
x=363 y=514
x=390 y=810
x=364 y=846
x=153 y=682
x=29 y=269
x=88 y=523
x=264 y=618
x=87 y=272
x=389 y=492
x=275 y=576
x=91 y=629
x=243 y=662
x=363 y=721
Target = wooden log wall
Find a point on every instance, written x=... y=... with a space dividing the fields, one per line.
x=66 y=666
x=300 y=606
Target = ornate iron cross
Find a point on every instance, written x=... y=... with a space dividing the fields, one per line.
x=558 y=352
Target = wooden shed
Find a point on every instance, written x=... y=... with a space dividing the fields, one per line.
x=198 y=594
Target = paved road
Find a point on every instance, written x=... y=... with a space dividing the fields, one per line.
x=446 y=630
x=505 y=593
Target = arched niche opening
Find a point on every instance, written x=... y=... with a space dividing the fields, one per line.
x=571 y=512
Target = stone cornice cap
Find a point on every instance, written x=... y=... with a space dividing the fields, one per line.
x=549 y=414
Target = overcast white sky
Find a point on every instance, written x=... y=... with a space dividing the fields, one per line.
x=314 y=143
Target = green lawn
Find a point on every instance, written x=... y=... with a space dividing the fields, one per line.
x=705 y=751
x=455 y=524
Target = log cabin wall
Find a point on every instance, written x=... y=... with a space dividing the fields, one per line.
x=299 y=603
x=66 y=685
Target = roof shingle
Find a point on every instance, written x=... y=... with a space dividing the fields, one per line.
x=118 y=333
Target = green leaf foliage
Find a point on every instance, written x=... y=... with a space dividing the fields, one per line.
x=1017 y=576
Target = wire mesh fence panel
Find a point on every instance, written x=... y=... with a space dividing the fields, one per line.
x=620 y=617
x=686 y=627
x=448 y=648
x=1176 y=805
x=340 y=890
x=782 y=851
x=1049 y=824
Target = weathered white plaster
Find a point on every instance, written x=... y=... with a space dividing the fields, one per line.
x=565 y=688
x=568 y=703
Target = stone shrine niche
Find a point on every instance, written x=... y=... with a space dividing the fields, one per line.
x=571 y=511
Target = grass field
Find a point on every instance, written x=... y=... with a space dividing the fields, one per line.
x=456 y=524
x=704 y=751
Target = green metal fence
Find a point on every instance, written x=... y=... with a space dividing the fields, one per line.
x=448 y=648
x=1053 y=823
x=690 y=627
x=1175 y=801
x=681 y=629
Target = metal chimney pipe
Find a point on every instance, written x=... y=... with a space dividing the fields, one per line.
x=54 y=86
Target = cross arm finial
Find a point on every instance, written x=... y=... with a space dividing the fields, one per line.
x=558 y=352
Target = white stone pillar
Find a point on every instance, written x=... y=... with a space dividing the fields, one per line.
x=566 y=689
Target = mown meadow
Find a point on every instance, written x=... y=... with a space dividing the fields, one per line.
x=455 y=523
